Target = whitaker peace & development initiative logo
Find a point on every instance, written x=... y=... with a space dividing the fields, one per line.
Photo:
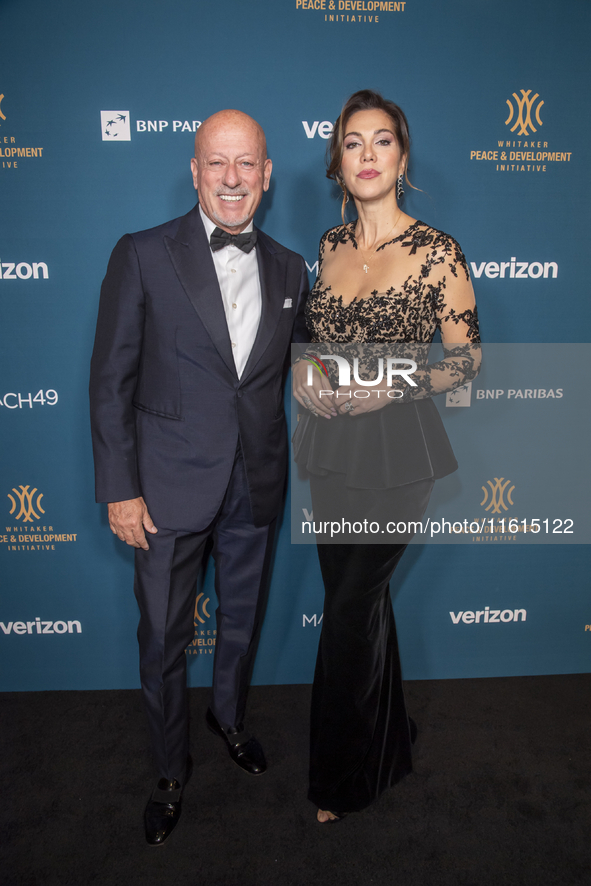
x=11 y=152
x=525 y=150
x=28 y=531
x=494 y=498
x=523 y=109
x=353 y=11
x=203 y=642
x=497 y=498
x=26 y=500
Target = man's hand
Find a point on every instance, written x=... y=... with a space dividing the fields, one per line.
x=128 y=519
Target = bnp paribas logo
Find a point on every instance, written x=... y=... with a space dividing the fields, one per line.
x=26 y=504
x=497 y=495
x=115 y=126
x=460 y=396
x=521 y=109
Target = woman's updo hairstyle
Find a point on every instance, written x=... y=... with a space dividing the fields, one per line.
x=364 y=100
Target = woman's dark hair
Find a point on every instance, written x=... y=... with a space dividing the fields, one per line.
x=365 y=100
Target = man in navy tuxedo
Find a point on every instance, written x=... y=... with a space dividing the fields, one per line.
x=195 y=321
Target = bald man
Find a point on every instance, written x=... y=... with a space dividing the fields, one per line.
x=195 y=320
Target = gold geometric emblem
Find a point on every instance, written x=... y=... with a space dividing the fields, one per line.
x=524 y=107
x=497 y=493
x=1 y=114
x=201 y=608
x=27 y=504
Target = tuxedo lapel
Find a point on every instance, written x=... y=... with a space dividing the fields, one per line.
x=191 y=257
x=272 y=275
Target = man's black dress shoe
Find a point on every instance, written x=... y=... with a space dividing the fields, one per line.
x=163 y=809
x=242 y=747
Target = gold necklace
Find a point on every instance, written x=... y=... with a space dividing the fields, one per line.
x=385 y=240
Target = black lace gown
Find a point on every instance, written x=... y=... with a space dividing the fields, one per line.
x=360 y=734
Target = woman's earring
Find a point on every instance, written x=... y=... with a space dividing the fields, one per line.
x=343 y=188
x=400 y=186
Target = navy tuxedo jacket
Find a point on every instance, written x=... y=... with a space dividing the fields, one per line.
x=167 y=407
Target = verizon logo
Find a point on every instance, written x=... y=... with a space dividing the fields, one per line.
x=515 y=270
x=488 y=616
x=37 y=626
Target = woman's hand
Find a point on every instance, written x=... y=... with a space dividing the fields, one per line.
x=317 y=397
x=354 y=400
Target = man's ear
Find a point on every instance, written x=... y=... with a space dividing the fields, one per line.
x=194 y=171
x=267 y=169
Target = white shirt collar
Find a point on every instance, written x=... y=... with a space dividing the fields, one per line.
x=210 y=225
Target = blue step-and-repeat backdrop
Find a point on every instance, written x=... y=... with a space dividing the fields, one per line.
x=98 y=108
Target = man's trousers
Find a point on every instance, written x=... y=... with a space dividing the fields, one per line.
x=165 y=587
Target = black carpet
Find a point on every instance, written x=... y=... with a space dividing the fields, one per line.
x=500 y=794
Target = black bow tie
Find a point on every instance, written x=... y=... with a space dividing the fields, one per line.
x=219 y=239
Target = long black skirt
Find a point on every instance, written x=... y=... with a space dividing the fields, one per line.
x=360 y=741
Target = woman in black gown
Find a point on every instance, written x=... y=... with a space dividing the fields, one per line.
x=384 y=279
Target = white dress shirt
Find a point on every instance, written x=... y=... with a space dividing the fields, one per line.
x=238 y=276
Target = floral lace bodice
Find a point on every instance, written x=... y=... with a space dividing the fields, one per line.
x=409 y=315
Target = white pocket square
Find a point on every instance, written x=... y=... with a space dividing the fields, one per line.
x=287 y=303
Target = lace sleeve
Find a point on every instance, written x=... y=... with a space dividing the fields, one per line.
x=449 y=288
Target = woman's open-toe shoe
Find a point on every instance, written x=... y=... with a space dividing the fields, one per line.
x=338 y=816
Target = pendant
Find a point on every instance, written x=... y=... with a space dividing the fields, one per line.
x=366 y=268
